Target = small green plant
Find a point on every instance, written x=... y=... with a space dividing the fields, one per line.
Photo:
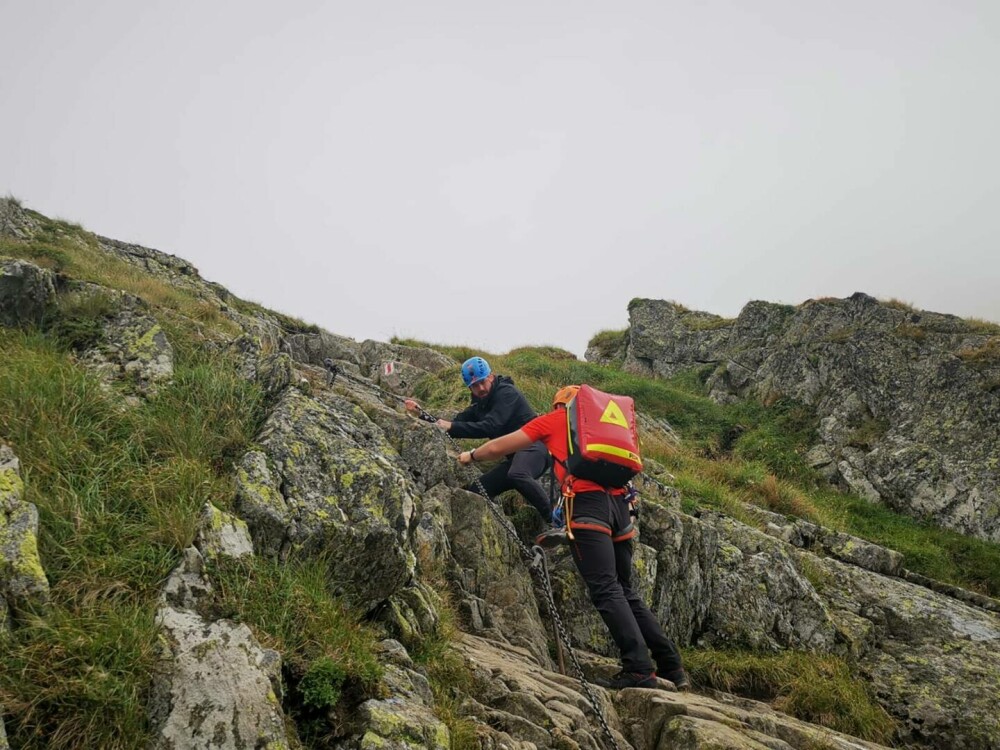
x=322 y=684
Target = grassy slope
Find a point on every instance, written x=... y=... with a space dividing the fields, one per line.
x=119 y=492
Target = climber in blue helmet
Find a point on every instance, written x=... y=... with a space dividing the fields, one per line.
x=497 y=408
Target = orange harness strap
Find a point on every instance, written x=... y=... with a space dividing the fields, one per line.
x=568 y=495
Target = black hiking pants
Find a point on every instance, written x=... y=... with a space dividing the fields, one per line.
x=520 y=472
x=602 y=551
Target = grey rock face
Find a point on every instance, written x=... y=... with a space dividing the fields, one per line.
x=27 y=292
x=313 y=348
x=374 y=354
x=154 y=262
x=423 y=448
x=490 y=573
x=932 y=658
x=213 y=688
x=825 y=541
x=665 y=338
x=519 y=705
x=761 y=600
x=24 y=587
x=14 y=220
x=909 y=400
x=133 y=346
x=324 y=480
x=933 y=661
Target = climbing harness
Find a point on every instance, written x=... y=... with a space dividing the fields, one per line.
x=535 y=555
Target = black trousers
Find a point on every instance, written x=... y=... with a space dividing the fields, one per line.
x=520 y=472
x=606 y=566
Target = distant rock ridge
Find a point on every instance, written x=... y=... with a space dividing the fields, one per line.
x=909 y=400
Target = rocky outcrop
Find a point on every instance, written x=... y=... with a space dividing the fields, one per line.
x=27 y=293
x=129 y=344
x=711 y=581
x=325 y=481
x=214 y=689
x=214 y=686
x=517 y=703
x=24 y=587
x=909 y=400
x=15 y=222
x=933 y=660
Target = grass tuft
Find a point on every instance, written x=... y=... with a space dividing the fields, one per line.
x=818 y=689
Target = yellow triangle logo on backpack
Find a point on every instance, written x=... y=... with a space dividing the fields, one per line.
x=613 y=415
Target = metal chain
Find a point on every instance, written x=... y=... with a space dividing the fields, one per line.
x=537 y=564
x=535 y=555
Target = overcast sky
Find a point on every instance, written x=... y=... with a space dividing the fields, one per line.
x=508 y=173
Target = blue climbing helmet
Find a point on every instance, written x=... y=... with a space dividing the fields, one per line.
x=475 y=369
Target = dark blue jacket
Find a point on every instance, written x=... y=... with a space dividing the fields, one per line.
x=505 y=409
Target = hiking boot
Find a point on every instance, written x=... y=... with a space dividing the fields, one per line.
x=628 y=680
x=680 y=679
x=551 y=538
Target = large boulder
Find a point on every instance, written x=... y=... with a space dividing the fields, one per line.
x=24 y=587
x=27 y=293
x=325 y=482
x=130 y=346
x=934 y=662
x=213 y=687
